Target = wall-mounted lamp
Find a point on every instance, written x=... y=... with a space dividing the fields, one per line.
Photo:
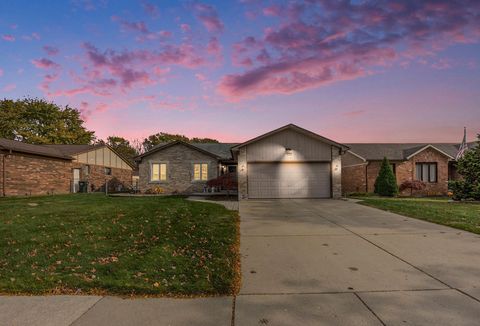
x=288 y=151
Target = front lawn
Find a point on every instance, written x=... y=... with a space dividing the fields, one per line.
x=95 y=244
x=464 y=216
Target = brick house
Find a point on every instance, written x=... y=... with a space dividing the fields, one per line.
x=432 y=163
x=27 y=169
x=292 y=162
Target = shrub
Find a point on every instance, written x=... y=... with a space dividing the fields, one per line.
x=386 y=183
x=413 y=185
x=226 y=181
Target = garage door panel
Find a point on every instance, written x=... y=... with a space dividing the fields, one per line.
x=289 y=180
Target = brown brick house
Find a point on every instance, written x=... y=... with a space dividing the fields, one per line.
x=432 y=163
x=27 y=169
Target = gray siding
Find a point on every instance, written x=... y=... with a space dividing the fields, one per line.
x=179 y=159
x=303 y=148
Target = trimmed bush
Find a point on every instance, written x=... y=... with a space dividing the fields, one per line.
x=413 y=185
x=386 y=183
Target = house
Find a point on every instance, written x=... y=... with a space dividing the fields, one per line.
x=292 y=162
x=27 y=169
x=289 y=162
x=433 y=163
x=179 y=167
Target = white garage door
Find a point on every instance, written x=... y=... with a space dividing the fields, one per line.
x=289 y=180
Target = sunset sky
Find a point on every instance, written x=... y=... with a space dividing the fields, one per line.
x=353 y=71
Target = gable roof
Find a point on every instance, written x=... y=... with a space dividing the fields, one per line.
x=41 y=150
x=293 y=127
x=216 y=150
x=400 y=152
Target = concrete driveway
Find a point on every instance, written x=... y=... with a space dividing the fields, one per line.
x=321 y=262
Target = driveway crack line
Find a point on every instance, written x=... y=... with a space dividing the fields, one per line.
x=90 y=308
x=369 y=309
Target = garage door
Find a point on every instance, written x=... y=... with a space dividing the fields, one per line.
x=289 y=180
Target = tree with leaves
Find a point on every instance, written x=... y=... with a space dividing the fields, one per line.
x=386 y=183
x=37 y=121
x=469 y=168
x=163 y=137
x=122 y=146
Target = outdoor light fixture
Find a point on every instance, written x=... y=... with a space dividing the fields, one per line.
x=288 y=151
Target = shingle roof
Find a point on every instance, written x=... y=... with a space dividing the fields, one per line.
x=399 y=151
x=222 y=150
x=73 y=149
x=43 y=150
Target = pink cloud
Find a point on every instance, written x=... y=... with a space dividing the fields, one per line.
x=185 y=27
x=44 y=63
x=354 y=113
x=50 y=50
x=273 y=10
x=208 y=15
x=8 y=38
x=1 y=72
x=336 y=41
x=151 y=9
x=9 y=87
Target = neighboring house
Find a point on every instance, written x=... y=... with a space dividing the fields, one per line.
x=432 y=163
x=27 y=169
x=289 y=162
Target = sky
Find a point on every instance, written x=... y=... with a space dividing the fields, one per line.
x=352 y=71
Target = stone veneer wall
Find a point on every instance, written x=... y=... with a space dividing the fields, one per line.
x=34 y=175
x=179 y=159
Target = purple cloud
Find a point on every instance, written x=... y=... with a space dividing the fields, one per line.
x=208 y=15
x=334 y=41
x=8 y=37
x=50 y=50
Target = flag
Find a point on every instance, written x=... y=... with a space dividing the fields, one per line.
x=463 y=147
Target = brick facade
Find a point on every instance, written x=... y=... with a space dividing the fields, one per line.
x=361 y=177
x=118 y=180
x=179 y=159
x=27 y=175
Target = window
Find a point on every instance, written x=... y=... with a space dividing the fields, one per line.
x=232 y=168
x=200 y=171
x=159 y=172
x=427 y=172
x=108 y=171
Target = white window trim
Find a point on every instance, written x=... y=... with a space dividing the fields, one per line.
x=193 y=171
x=150 y=174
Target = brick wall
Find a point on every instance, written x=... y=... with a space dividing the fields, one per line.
x=34 y=175
x=353 y=177
x=179 y=159
x=96 y=177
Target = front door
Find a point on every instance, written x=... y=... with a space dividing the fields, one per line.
x=76 y=180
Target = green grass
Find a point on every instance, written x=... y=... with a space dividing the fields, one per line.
x=94 y=244
x=464 y=216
